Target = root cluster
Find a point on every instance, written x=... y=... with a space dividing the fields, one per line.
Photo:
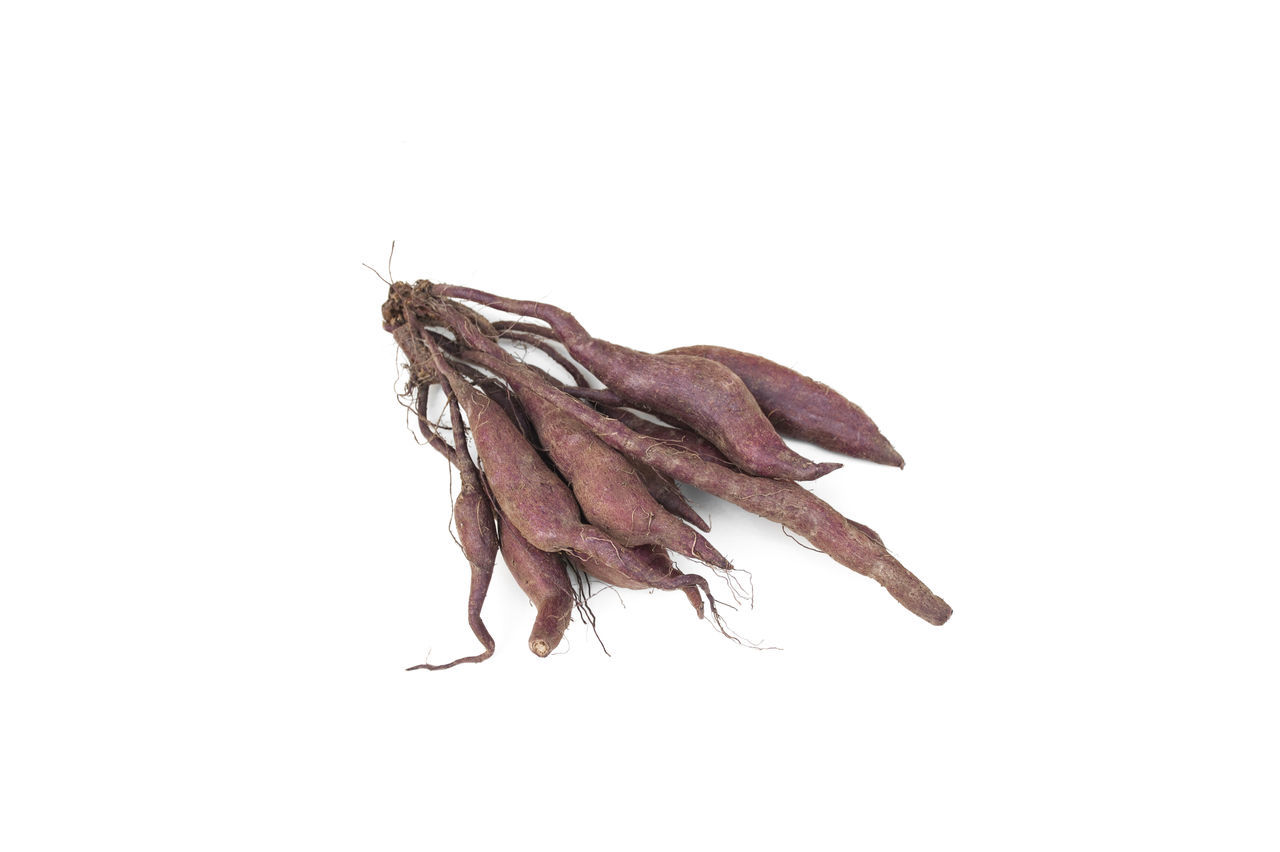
x=577 y=480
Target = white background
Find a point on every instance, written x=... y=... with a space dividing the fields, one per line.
x=1037 y=242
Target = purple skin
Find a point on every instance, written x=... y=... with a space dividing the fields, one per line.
x=473 y=519
x=653 y=556
x=474 y=523
x=867 y=531
x=660 y=560
x=504 y=326
x=705 y=395
x=662 y=488
x=669 y=496
x=797 y=406
x=606 y=485
x=530 y=495
x=545 y=583
x=787 y=503
x=600 y=396
x=498 y=392
x=544 y=345
x=804 y=408
x=671 y=435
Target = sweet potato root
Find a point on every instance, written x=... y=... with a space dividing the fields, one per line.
x=784 y=502
x=658 y=562
x=608 y=488
x=703 y=394
x=672 y=436
x=545 y=582
x=804 y=408
x=669 y=496
x=474 y=522
x=589 y=488
x=530 y=495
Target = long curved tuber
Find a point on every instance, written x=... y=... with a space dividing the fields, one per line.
x=705 y=395
x=804 y=408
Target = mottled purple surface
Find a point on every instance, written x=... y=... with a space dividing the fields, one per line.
x=804 y=408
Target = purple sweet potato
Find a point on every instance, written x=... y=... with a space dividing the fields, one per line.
x=655 y=558
x=786 y=503
x=544 y=346
x=545 y=582
x=504 y=326
x=804 y=408
x=606 y=485
x=672 y=436
x=661 y=487
x=594 y=489
x=598 y=396
x=703 y=394
x=500 y=394
x=669 y=496
x=474 y=522
x=530 y=495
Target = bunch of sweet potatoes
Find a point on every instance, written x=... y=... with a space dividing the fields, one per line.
x=572 y=481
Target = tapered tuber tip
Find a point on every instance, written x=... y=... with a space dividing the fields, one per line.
x=825 y=468
x=936 y=611
x=891 y=457
x=907 y=589
x=881 y=451
x=696 y=599
x=540 y=647
x=808 y=471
